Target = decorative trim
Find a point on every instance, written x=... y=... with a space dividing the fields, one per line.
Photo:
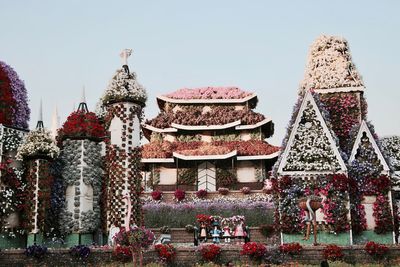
x=309 y=98
x=258 y=124
x=205 y=127
x=159 y=130
x=364 y=128
x=259 y=157
x=158 y=160
x=340 y=90
x=205 y=157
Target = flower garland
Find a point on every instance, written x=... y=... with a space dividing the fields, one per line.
x=14 y=109
x=38 y=143
x=82 y=125
x=330 y=65
x=124 y=87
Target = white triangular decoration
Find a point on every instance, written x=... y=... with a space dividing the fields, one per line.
x=334 y=164
x=364 y=129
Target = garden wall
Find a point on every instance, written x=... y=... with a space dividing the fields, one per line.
x=185 y=257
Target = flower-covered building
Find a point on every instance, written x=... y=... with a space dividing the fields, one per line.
x=207 y=138
x=332 y=154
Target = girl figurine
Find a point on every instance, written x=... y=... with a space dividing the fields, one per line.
x=227 y=234
x=203 y=232
x=215 y=233
x=239 y=232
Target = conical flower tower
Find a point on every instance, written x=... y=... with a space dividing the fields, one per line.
x=82 y=174
x=37 y=151
x=330 y=157
x=124 y=100
x=14 y=117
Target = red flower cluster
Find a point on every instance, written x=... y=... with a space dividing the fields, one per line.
x=377 y=186
x=383 y=215
x=202 y=193
x=291 y=248
x=376 y=250
x=340 y=182
x=210 y=252
x=179 y=194
x=166 y=252
x=253 y=250
x=333 y=253
x=7 y=101
x=202 y=218
x=122 y=253
x=81 y=124
x=156 y=195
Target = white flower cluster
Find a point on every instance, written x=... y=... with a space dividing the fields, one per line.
x=391 y=147
x=311 y=150
x=124 y=87
x=330 y=65
x=12 y=139
x=38 y=143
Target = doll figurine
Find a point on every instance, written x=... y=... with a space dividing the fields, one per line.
x=215 y=233
x=239 y=233
x=203 y=232
x=227 y=234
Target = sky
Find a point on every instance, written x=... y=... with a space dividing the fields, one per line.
x=57 y=47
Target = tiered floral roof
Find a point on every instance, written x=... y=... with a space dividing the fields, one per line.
x=38 y=144
x=217 y=109
x=330 y=65
x=14 y=110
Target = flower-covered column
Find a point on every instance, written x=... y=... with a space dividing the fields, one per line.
x=37 y=151
x=82 y=173
x=124 y=100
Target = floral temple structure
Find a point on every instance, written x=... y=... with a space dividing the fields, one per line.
x=207 y=138
x=331 y=153
x=206 y=171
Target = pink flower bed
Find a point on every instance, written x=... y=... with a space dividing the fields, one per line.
x=244 y=148
x=209 y=93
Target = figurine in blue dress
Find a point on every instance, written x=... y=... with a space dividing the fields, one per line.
x=216 y=233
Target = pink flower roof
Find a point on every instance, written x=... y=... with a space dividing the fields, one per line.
x=209 y=93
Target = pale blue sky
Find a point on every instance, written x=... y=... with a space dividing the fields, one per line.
x=261 y=46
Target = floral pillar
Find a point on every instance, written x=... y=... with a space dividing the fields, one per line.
x=37 y=151
x=124 y=100
x=82 y=174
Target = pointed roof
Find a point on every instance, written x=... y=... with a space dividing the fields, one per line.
x=330 y=67
x=39 y=124
x=364 y=131
x=55 y=123
x=310 y=135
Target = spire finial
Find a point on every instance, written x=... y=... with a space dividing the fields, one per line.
x=124 y=55
x=55 y=123
x=82 y=105
x=39 y=124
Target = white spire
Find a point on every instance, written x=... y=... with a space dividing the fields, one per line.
x=40 y=118
x=55 y=123
x=83 y=99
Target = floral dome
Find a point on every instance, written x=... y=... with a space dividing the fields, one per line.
x=124 y=87
x=330 y=65
x=38 y=144
x=209 y=93
x=14 y=110
x=81 y=125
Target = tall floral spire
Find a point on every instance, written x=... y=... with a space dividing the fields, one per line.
x=82 y=105
x=330 y=66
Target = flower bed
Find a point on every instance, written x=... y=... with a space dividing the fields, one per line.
x=209 y=93
x=180 y=214
x=196 y=148
x=194 y=116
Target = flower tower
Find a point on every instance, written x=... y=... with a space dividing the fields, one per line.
x=82 y=174
x=208 y=138
x=37 y=151
x=14 y=117
x=331 y=153
x=124 y=100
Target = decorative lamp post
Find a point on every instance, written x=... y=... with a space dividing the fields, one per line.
x=37 y=151
x=82 y=173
